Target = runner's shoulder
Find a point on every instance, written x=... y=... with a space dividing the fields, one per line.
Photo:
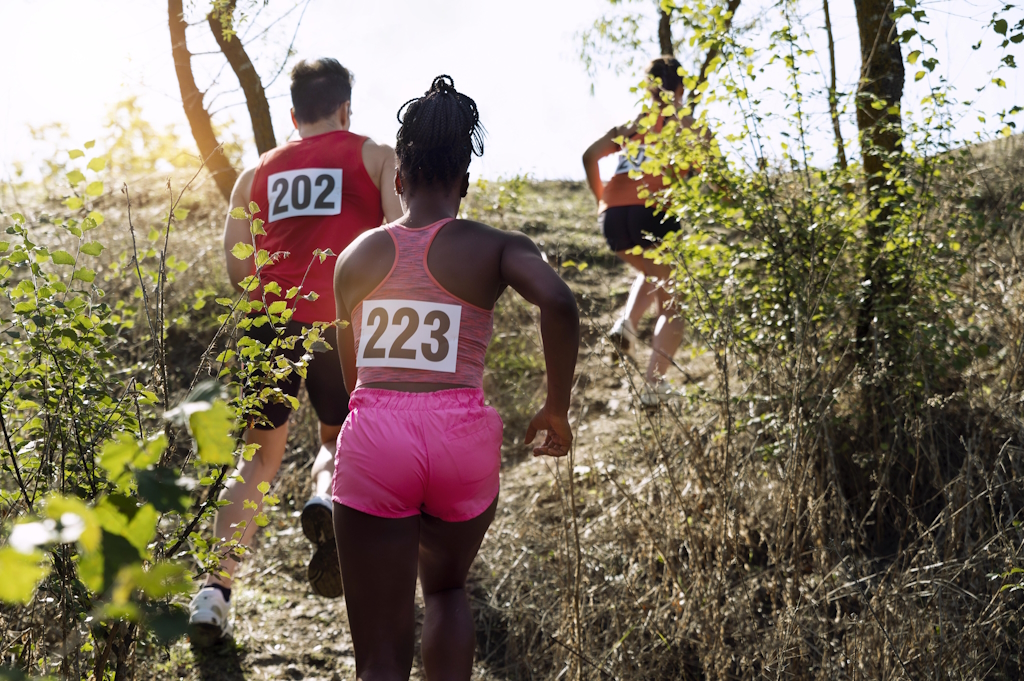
x=502 y=238
x=366 y=244
x=376 y=152
x=242 y=190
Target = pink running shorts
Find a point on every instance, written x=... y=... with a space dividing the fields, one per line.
x=401 y=454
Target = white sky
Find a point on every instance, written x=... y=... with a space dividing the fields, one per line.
x=69 y=60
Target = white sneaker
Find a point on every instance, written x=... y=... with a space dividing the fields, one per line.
x=208 y=619
x=623 y=337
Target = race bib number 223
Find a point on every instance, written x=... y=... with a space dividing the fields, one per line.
x=409 y=334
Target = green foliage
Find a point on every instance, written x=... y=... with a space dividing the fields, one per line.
x=500 y=197
x=99 y=472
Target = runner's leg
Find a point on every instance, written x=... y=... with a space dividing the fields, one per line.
x=446 y=552
x=378 y=565
x=262 y=468
x=642 y=295
x=323 y=465
x=668 y=332
x=325 y=385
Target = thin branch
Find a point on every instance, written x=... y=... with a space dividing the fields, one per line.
x=290 y=45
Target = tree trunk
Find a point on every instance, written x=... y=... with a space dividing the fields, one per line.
x=833 y=106
x=665 y=34
x=881 y=80
x=255 y=97
x=224 y=174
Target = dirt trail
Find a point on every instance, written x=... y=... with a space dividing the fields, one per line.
x=284 y=631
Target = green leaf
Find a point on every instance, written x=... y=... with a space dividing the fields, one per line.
x=257 y=228
x=99 y=569
x=96 y=217
x=242 y=250
x=912 y=57
x=97 y=164
x=76 y=153
x=263 y=487
x=165 y=489
x=180 y=213
x=918 y=76
x=115 y=455
x=254 y=207
x=277 y=307
x=62 y=258
x=90 y=144
x=84 y=274
x=75 y=176
x=212 y=430
x=238 y=213
x=1000 y=26
x=271 y=287
x=94 y=188
x=92 y=248
x=73 y=203
x=142 y=528
x=71 y=513
x=22 y=572
x=155 y=447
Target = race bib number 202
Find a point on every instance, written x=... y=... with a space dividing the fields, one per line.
x=409 y=334
x=307 y=191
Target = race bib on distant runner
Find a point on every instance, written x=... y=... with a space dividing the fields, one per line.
x=307 y=191
x=409 y=334
x=627 y=164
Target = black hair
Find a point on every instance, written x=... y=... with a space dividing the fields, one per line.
x=319 y=88
x=440 y=132
x=667 y=69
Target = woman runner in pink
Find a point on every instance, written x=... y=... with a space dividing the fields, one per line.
x=416 y=477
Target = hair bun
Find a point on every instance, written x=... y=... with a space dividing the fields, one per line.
x=443 y=84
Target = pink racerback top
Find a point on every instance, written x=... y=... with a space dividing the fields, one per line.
x=410 y=329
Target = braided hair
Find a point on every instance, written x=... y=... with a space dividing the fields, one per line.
x=440 y=132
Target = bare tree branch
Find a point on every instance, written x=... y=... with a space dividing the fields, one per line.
x=224 y=174
x=255 y=95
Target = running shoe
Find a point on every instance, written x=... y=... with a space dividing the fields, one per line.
x=324 y=571
x=208 y=617
x=623 y=337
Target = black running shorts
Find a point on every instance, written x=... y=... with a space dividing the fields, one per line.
x=325 y=383
x=625 y=227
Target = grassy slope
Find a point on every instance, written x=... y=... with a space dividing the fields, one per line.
x=674 y=566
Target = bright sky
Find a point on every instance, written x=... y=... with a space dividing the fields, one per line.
x=69 y=60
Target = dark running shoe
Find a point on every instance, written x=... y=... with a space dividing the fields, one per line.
x=324 y=571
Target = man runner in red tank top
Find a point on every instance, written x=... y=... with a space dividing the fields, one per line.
x=318 y=192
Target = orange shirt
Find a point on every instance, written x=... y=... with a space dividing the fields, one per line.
x=621 y=189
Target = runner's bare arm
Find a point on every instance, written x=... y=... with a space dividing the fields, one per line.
x=523 y=268
x=603 y=146
x=379 y=160
x=359 y=269
x=238 y=230
x=346 y=339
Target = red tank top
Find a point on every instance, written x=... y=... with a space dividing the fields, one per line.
x=416 y=331
x=312 y=193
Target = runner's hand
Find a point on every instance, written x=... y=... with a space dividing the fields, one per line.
x=559 y=434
